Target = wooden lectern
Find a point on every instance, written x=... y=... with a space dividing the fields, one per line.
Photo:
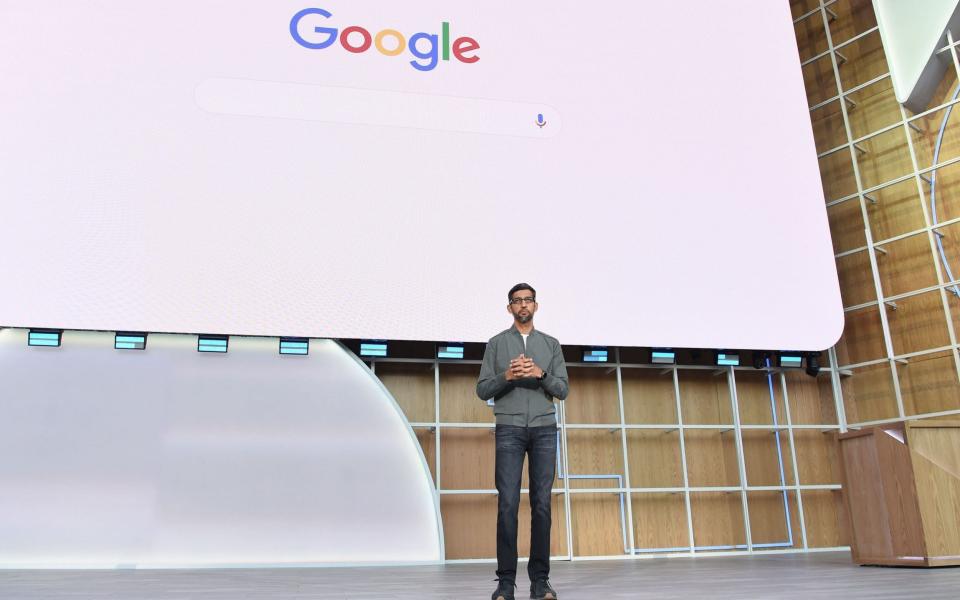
x=901 y=487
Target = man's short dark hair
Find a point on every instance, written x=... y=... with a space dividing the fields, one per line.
x=520 y=287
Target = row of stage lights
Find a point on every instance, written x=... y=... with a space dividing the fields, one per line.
x=761 y=359
x=452 y=351
x=138 y=341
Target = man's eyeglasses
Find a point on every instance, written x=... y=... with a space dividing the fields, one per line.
x=519 y=301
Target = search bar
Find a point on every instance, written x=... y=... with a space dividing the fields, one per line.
x=382 y=108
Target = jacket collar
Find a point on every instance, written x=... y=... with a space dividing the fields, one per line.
x=516 y=331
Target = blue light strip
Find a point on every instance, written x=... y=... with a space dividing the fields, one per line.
x=373 y=348
x=44 y=338
x=663 y=356
x=783 y=477
x=130 y=341
x=933 y=194
x=454 y=351
x=619 y=478
x=298 y=346
x=728 y=360
x=595 y=355
x=791 y=360
x=210 y=344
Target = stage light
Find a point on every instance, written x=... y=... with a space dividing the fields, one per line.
x=595 y=354
x=813 y=364
x=373 y=348
x=294 y=345
x=662 y=356
x=727 y=359
x=790 y=360
x=760 y=359
x=45 y=337
x=129 y=341
x=454 y=351
x=212 y=343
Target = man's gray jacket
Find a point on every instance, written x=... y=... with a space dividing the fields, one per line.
x=525 y=402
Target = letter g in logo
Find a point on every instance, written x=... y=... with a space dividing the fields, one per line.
x=330 y=32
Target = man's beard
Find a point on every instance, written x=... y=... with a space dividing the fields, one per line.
x=524 y=319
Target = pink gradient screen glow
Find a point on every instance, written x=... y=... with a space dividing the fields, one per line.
x=195 y=169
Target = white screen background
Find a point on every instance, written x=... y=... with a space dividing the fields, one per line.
x=678 y=205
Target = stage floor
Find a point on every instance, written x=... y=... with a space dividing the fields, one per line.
x=825 y=575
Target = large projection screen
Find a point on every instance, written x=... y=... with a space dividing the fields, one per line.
x=388 y=170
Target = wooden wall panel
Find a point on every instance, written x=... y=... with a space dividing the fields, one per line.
x=660 y=521
x=761 y=459
x=467 y=456
x=836 y=175
x=768 y=519
x=799 y=8
x=819 y=81
x=886 y=156
x=595 y=452
x=929 y=384
x=593 y=396
x=876 y=107
x=711 y=457
x=846 y=225
x=753 y=398
x=428 y=443
x=925 y=140
x=954 y=304
x=811 y=399
x=648 y=396
x=862 y=339
x=907 y=265
x=654 y=457
x=412 y=385
x=951 y=248
x=458 y=396
x=918 y=323
x=597 y=525
x=828 y=129
x=825 y=518
x=947 y=197
x=853 y=17
x=868 y=394
x=817 y=456
x=898 y=210
x=470 y=526
x=856 y=279
x=704 y=397
x=717 y=519
x=466 y=459
x=811 y=37
x=865 y=60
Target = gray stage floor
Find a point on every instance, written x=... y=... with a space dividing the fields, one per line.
x=827 y=575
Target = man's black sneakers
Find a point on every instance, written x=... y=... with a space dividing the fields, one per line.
x=504 y=590
x=541 y=590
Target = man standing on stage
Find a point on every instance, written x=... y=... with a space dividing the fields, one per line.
x=523 y=371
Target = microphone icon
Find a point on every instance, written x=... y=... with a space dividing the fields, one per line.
x=540 y=120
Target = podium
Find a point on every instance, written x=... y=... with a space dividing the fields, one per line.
x=901 y=488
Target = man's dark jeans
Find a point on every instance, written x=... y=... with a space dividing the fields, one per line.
x=540 y=444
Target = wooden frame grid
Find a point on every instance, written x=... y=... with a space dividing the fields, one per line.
x=901 y=304
x=644 y=436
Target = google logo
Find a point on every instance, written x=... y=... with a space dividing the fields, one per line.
x=427 y=48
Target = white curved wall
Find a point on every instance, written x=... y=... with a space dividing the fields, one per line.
x=169 y=457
